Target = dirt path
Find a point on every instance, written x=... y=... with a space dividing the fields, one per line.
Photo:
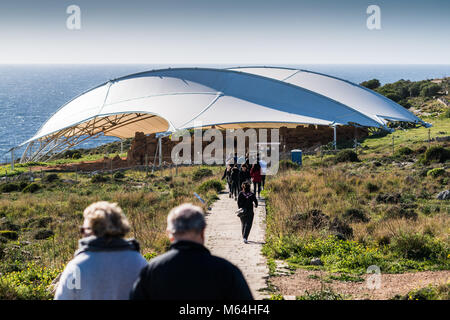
x=391 y=284
x=224 y=239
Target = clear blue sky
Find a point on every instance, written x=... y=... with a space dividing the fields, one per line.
x=228 y=32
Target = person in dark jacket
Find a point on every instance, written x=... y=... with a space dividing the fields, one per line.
x=255 y=173
x=244 y=175
x=245 y=201
x=188 y=271
x=227 y=175
x=235 y=181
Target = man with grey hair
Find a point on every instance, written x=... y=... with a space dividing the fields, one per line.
x=188 y=271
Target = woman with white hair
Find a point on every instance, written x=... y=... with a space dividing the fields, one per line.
x=105 y=265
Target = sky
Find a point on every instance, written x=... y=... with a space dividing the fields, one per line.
x=225 y=32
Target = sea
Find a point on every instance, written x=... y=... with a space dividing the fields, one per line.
x=30 y=94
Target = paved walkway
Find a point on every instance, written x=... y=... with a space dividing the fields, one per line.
x=224 y=239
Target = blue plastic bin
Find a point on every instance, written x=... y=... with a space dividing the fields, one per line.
x=296 y=156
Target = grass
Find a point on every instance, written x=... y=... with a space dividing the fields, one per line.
x=20 y=168
x=355 y=214
x=46 y=221
x=430 y=292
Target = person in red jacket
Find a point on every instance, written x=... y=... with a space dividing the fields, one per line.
x=255 y=173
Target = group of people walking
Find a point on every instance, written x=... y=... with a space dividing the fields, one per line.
x=109 y=267
x=237 y=174
x=239 y=180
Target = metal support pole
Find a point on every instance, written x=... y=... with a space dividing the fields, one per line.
x=121 y=146
x=12 y=159
x=160 y=151
x=146 y=165
x=334 y=137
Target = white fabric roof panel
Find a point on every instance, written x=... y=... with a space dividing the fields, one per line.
x=184 y=97
x=366 y=101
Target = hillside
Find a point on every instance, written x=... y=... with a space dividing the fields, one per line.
x=326 y=221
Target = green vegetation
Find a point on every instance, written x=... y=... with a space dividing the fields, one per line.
x=346 y=156
x=39 y=229
x=440 y=292
x=324 y=293
x=381 y=210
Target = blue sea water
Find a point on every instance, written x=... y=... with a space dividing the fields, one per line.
x=30 y=94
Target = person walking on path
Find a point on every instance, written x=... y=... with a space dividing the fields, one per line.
x=227 y=175
x=255 y=173
x=235 y=181
x=245 y=201
x=244 y=175
x=106 y=265
x=188 y=271
x=263 y=165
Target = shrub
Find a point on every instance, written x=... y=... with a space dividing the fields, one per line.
x=436 y=154
x=341 y=229
x=371 y=84
x=388 y=197
x=371 y=187
x=210 y=185
x=31 y=188
x=32 y=283
x=323 y=294
x=400 y=212
x=40 y=222
x=9 y=187
x=23 y=185
x=440 y=292
x=9 y=234
x=436 y=172
x=118 y=175
x=99 y=178
x=404 y=151
x=72 y=154
x=43 y=234
x=418 y=246
x=355 y=215
x=201 y=173
x=346 y=156
x=430 y=90
x=51 y=177
x=288 y=165
x=314 y=219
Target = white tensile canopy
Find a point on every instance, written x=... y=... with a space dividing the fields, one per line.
x=183 y=98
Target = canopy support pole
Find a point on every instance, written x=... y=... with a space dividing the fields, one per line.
x=12 y=159
x=334 y=137
x=160 y=151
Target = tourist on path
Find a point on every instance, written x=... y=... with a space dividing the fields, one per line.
x=227 y=175
x=245 y=201
x=263 y=165
x=188 y=271
x=255 y=173
x=106 y=265
x=235 y=181
x=244 y=175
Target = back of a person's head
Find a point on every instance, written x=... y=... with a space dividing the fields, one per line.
x=186 y=218
x=106 y=219
x=246 y=187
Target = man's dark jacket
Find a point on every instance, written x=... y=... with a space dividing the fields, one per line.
x=188 y=271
